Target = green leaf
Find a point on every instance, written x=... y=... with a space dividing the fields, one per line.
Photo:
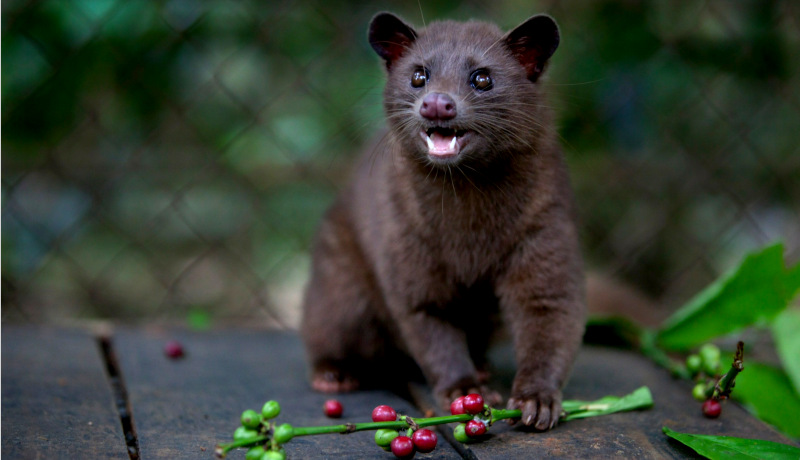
x=768 y=393
x=785 y=330
x=793 y=281
x=198 y=320
x=728 y=447
x=638 y=399
x=755 y=292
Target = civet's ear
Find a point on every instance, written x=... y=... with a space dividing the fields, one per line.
x=390 y=37
x=533 y=42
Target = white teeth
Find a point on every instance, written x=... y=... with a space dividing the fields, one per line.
x=453 y=143
x=431 y=145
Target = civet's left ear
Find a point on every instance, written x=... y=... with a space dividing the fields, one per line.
x=533 y=42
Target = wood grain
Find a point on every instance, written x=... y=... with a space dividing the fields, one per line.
x=57 y=401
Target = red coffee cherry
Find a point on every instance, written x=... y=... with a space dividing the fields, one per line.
x=457 y=406
x=473 y=403
x=424 y=440
x=384 y=414
x=403 y=447
x=333 y=408
x=173 y=349
x=475 y=428
x=712 y=408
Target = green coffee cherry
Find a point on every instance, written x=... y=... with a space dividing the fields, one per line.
x=270 y=410
x=710 y=354
x=699 y=392
x=274 y=455
x=460 y=433
x=251 y=419
x=254 y=453
x=283 y=433
x=384 y=437
x=244 y=433
x=694 y=363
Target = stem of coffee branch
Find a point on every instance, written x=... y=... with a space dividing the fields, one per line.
x=573 y=409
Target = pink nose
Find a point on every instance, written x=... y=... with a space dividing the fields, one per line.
x=438 y=106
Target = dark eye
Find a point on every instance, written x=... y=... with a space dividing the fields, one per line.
x=481 y=80
x=420 y=77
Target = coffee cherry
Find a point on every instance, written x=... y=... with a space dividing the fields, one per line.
x=384 y=414
x=333 y=408
x=254 y=453
x=424 y=440
x=244 y=433
x=473 y=403
x=712 y=408
x=274 y=455
x=384 y=437
x=457 y=406
x=173 y=349
x=699 y=392
x=270 y=410
x=283 y=433
x=710 y=354
x=251 y=419
x=460 y=433
x=403 y=447
x=475 y=428
x=694 y=363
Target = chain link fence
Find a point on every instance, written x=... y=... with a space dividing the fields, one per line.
x=163 y=159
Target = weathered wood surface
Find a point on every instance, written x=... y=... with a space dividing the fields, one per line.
x=57 y=402
x=183 y=408
x=599 y=372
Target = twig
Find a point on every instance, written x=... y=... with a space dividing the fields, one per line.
x=722 y=389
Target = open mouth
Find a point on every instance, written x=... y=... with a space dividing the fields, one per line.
x=443 y=142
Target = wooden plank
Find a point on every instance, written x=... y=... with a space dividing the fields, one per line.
x=183 y=408
x=57 y=401
x=600 y=372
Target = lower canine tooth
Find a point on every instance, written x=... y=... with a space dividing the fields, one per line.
x=453 y=143
x=431 y=146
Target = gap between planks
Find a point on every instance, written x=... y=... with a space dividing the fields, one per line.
x=120 y=393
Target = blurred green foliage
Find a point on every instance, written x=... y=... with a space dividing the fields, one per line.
x=166 y=157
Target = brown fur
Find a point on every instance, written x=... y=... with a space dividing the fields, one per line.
x=419 y=256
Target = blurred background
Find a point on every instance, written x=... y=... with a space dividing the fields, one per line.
x=170 y=160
